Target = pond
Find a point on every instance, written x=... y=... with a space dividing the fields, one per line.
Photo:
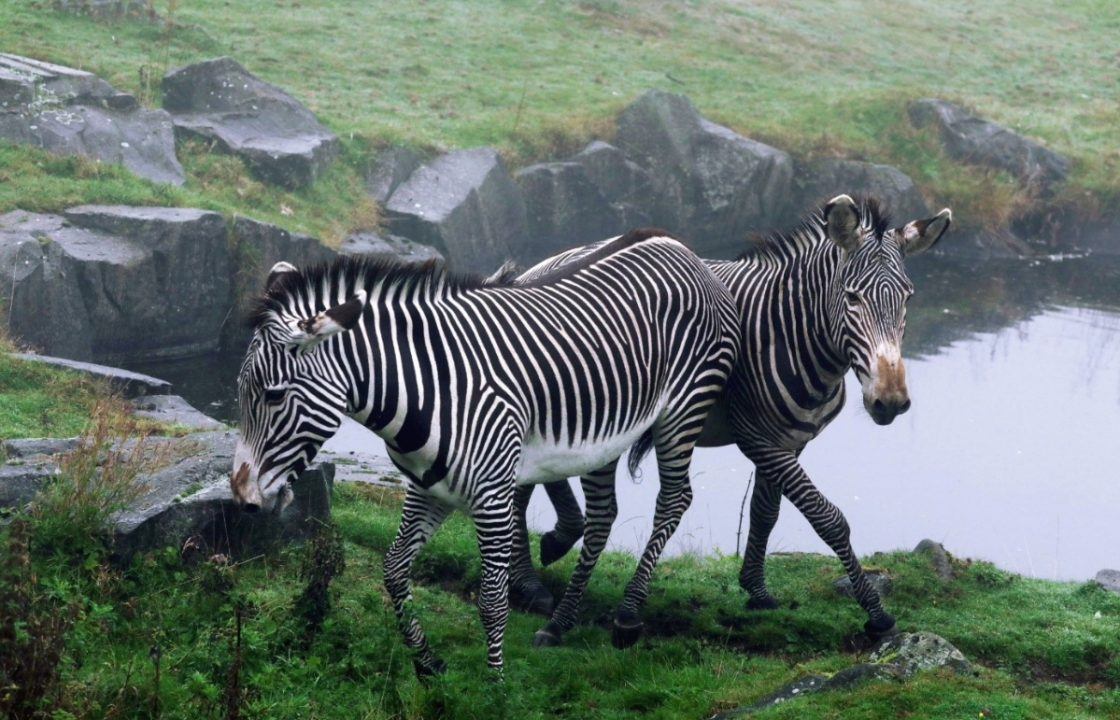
x=1009 y=453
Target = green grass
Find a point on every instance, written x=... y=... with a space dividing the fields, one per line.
x=1040 y=649
x=537 y=79
x=41 y=401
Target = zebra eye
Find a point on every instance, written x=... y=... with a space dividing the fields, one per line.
x=853 y=296
x=274 y=395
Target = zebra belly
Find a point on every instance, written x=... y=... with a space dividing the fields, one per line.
x=544 y=460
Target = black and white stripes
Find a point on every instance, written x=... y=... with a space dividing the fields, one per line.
x=477 y=386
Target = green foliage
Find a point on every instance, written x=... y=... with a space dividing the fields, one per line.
x=41 y=401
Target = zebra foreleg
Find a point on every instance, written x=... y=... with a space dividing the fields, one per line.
x=556 y=543
x=421 y=516
x=527 y=592
x=832 y=527
x=673 y=498
x=494 y=526
x=766 y=501
x=602 y=509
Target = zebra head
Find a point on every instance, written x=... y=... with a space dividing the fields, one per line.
x=291 y=396
x=868 y=305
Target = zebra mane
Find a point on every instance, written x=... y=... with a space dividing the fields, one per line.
x=810 y=231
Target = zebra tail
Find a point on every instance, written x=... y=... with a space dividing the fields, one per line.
x=639 y=451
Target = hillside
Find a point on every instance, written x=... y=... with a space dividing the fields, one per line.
x=536 y=80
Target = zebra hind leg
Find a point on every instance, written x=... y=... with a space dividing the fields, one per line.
x=421 y=516
x=556 y=543
x=674 y=444
x=526 y=591
x=766 y=501
x=602 y=508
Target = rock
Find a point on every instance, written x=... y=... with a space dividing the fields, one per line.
x=942 y=563
x=825 y=179
x=899 y=657
x=109 y=282
x=977 y=141
x=564 y=209
x=189 y=506
x=1109 y=580
x=72 y=112
x=107 y=9
x=465 y=205
x=372 y=243
x=389 y=169
x=280 y=140
x=19 y=482
x=23 y=448
x=625 y=185
x=174 y=410
x=711 y=186
x=879 y=580
x=128 y=383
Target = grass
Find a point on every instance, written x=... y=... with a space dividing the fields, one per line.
x=41 y=401
x=538 y=79
x=1044 y=649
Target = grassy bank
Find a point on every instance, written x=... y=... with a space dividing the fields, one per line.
x=41 y=401
x=537 y=79
x=1044 y=649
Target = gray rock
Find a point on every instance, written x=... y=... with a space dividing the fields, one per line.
x=110 y=283
x=464 y=204
x=19 y=482
x=711 y=185
x=279 y=139
x=72 y=112
x=1109 y=580
x=389 y=169
x=23 y=448
x=188 y=505
x=128 y=383
x=977 y=141
x=624 y=183
x=879 y=580
x=942 y=562
x=897 y=658
x=174 y=410
x=824 y=179
x=107 y=9
x=376 y=244
x=564 y=209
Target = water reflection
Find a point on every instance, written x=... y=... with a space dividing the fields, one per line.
x=1008 y=453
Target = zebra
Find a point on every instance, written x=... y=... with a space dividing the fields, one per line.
x=828 y=297
x=479 y=385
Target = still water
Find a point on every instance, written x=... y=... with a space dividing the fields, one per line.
x=1009 y=453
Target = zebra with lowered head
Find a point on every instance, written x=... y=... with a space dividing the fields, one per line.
x=827 y=298
x=478 y=386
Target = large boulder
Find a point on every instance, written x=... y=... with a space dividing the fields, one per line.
x=391 y=167
x=564 y=208
x=465 y=205
x=624 y=183
x=111 y=282
x=175 y=411
x=974 y=140
x=711 y=185
x=280 y=139
x=380 y=245
x=73 y=112
x=821 y=180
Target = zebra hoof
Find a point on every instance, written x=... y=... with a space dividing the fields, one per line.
x=553 y=548
x=766 y=603
x=432 y=667
x=626 y=633
x=537 y=601
x=546 y=638
x=879 y=628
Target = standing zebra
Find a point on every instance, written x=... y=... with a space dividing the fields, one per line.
x=477 y=386
x=829 y=297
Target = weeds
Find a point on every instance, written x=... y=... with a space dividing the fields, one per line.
x=323 y=562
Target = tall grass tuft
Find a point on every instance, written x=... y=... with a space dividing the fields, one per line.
x=324 y=561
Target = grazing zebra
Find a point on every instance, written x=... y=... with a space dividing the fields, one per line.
x=829 y=297
x=478 y=385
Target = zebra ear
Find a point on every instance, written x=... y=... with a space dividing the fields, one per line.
x=920 y=235
x=332 y=321
x=278 y=270
x=841 y=219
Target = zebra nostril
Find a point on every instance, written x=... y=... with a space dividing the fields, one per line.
x=251 y=507
x=904 y=406
x=879 y=406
